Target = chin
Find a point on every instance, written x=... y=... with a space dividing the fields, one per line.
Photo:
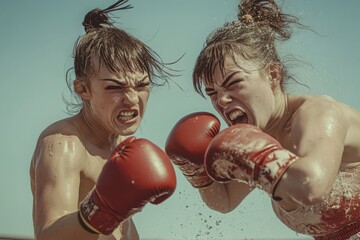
x=128 y=131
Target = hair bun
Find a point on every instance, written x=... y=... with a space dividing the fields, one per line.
x=98 y=18
x=266 y=13
x=95 y=19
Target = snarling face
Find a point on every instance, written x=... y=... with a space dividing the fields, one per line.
x=241 y=92
x=117 y=101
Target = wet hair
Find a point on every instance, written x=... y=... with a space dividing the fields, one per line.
x=114 y=48
x=253 y=36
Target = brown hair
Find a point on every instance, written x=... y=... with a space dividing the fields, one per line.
x=252 y=36
x=115 y=48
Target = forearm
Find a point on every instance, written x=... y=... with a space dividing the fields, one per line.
x=305 y=183
x=224 y=197
x=66 y=227
x=215 y=197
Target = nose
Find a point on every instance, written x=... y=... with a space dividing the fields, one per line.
x=223 y=99
x=130 y=97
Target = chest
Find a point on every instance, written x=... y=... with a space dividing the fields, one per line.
x=88 y=176
x=339 y=209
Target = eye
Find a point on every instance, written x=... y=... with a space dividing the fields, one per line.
x=210 y=91
x=235 y=81
x=113 y=88
x=143 y=84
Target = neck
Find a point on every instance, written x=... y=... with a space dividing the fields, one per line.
x=279 y=122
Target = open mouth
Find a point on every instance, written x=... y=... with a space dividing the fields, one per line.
x=237 y=116
x=126 y=116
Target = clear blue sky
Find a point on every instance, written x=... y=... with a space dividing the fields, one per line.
x=36 y=42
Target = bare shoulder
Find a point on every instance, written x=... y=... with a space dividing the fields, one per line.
x=66 y=127
x=317 y=107
x=61 y=141
x=315 y=101
x=319 y=120
x=318 y=117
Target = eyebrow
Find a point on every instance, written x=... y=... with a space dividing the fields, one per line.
x=225 y=82
x=118 y=82
x=228 y=78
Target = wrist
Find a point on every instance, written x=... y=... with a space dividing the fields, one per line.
x=272 y=168
x=86 y=226
x=200 y=178
x=96 y=216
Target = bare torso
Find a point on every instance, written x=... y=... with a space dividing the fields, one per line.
x=64 y=169
x=342 y=206
x=325 y=135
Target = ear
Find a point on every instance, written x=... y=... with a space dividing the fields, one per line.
x=81 y=89
x=275 y=74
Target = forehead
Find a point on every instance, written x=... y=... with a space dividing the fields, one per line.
x=238 y=63
x=102 y=71
x=232 y=64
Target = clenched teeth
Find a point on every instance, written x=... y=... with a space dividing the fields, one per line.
x=124 y=116
x=235 y=114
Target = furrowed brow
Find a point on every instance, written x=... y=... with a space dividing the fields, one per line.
x=114 y=81
x=227 y=79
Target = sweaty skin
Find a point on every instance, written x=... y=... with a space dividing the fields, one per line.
x=63 y=171
x=70 y=153
x=322 y=132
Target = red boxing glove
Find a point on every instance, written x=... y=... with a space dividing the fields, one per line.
x=137 y=172
x=244 y=152
x=187 y=143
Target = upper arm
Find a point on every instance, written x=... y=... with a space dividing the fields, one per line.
x=318 y=133
x=318 y=136
x=56 y=178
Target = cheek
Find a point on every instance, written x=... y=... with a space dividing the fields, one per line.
x=115 y=99
x=270 y=98
x=266 y=102
x=102 y=102
x=216 y=106
x=144 y=98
